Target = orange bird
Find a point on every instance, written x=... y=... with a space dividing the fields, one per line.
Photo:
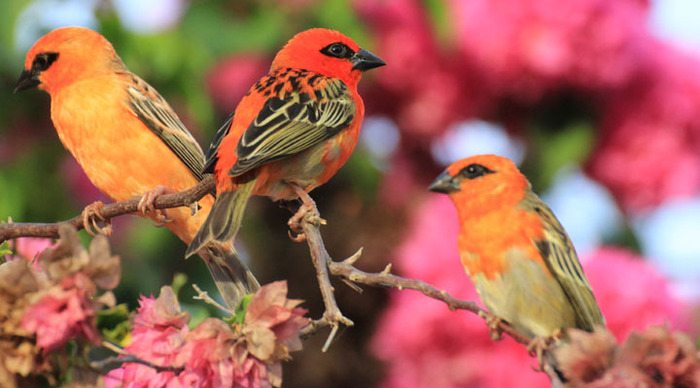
x=127 y=138
x=515 y=251
x=291 y=133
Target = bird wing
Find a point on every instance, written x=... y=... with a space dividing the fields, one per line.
x=157 y=115
x=293 y=121
x=212 y=152
x=560 y=257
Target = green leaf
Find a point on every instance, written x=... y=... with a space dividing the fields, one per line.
x=179 y=280
x=569 y=145
x=239 y=316
x=114 y=323
x=5 y=249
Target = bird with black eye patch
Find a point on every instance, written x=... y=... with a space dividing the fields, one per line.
x=127 y=139
x=291 y=133
x=515 y=251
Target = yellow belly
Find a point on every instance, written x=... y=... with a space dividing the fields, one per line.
x=527 y=297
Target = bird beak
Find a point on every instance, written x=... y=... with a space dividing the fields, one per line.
x=27 y=80
x=444 y=183
x=364 y=60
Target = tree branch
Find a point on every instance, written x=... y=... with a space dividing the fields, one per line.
x=185 y=198
x=347 y=271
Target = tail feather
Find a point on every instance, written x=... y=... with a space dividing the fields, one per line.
x=232 y=277
x=224 y=219
x=214 y=244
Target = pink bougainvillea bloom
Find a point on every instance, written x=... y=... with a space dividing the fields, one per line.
x=523 y=49
x=425 y=344
x=212 y=354
x=30 y=247
x=424 y=105
x=64 y=313
x=158 y=335
x=649 y=150
x=644 y=299
x=231 y=78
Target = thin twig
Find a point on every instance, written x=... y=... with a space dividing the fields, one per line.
x=346 y=270
x=204 y=297
x=106 y=364
x=185 y=198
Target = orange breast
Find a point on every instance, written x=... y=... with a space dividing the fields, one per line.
x=485 y=241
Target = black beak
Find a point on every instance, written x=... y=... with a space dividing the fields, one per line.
x=27 y=80
x=444 y=183
x=364 y=60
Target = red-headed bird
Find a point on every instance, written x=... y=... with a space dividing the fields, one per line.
x=518 y=255
x=126 y=137
x=292 y=132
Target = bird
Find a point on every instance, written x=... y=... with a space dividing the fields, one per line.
x=127 y=139
x=292 y=131
x=519 y=257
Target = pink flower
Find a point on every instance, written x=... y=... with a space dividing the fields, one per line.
x=231 y=78
x=158 y=336
x=64 y=313
x=425 y=344
x=650 y=146
x=213 y=354
x=524 y=49
x=642 y=300
x=30 y=247
x=425 y=92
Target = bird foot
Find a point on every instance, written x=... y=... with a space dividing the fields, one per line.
x=91 y=215
x=539 y=345
x=494 y=324
x=307 y=212
x=147 y=204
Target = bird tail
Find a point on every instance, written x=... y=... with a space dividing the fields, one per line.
x=232 y=277
x=214 y=243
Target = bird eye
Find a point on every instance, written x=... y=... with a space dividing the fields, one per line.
x=43 y=61
x=474 y=171
x=338 y=50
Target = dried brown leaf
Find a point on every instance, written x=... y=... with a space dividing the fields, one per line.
x=585 y=356
x=260 y=341
x=67 y=257
x=104 y=268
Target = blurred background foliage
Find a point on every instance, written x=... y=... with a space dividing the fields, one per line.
x=598 y=103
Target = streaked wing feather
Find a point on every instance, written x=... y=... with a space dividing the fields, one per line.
x=294 y=122
x=152 y=109
x=560 y=256
x=213 y=151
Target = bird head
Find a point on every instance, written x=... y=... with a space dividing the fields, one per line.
x=482 y=182
x=326 y=52
x=64 y=56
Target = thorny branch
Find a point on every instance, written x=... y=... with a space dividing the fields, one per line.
x=352 y=276
x=185 y=198
x=322 y=261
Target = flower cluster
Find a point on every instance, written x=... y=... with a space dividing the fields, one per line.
x=43 y=306
x=653 y=357
x=213 y=354
x=650 y=146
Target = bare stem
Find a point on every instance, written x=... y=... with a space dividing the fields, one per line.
x=185 y=198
